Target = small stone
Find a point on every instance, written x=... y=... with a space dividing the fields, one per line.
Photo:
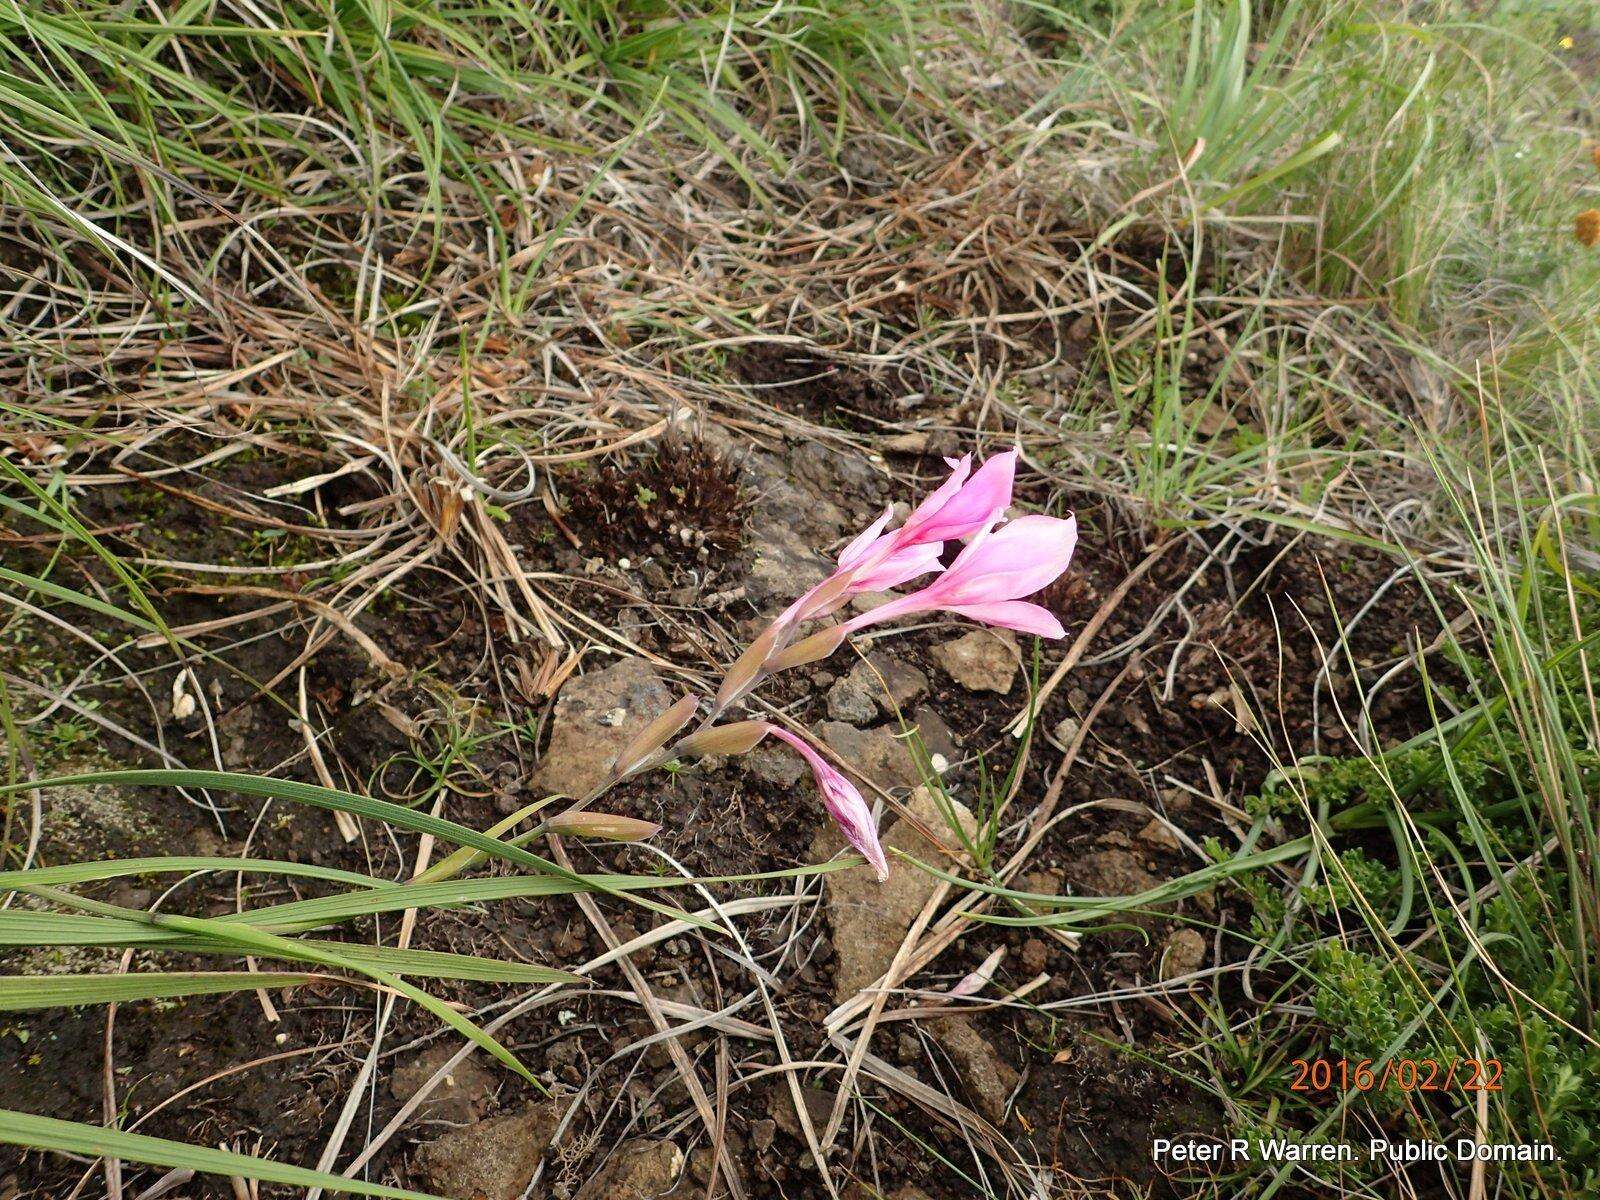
x=461 y=1097
x=876 y=684
x=778 y=766
x=1158 y=835
x=490 y=1160
x=1185 y=953
x=877 y=754
x=762 y=1132
x=934 y=734
x=1034 y=956
x=596 y=716
x=1066 y=731
x=984 y=660
x=988 y=1078
x=640 y=1169
x=1111 y=872
x=1177 y=800
x=819 y=1107
x=1040 y=883
x=851 y=700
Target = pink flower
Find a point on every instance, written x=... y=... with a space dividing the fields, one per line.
x=843 y=802
x=877 y=561
x=960 y=507
x=988 y=579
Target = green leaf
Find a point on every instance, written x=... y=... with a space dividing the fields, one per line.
x=361 y=806
x=71 y=1137
x=19 y=993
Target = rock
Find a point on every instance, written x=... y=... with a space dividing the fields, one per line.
x=1040 y=883
x=984 y=660
x=1066 y=731
x=830 y=471
x=762 y=1132
x=877 y=754
x=783 y=567
x=640 y=1169
x=989 y=1079
x=850 y=700
x=777 y=765
x=876 y=684
x=1185 y=953
x=795 y=514
x=935 y=734
x=867 y=601
x=1158 y=835
x=596 y=716
x=870 y=919
x=819 y=1107
x=1035 y=954
x=460 y=1098
x=1112 y=872
x=694 y=1182
x=491 y=1160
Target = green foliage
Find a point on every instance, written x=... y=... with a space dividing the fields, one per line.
x=1356 y=999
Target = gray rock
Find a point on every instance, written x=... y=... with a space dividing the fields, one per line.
x=1066 y=730
x=596 y=716
x=877 y=684
x=829 y=471
x=640 y=1169
x=984 y=660
x=796 y=516
x=491 y=1160
x=783 y=567
x=850 y=699
x=1185 y=953
x=777 y=765
x=870 y=919
x=935 y=734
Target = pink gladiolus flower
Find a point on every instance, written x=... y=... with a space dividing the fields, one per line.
x=843 y=802
x=960 y=506
x=877 y=561
x=988 y=580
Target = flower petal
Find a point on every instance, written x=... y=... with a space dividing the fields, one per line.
x=941 y=495
x=982 y=499
x=843 y=802
x=1015 y=560
x=1013 y=614
x=899 y=567
x=857 y=550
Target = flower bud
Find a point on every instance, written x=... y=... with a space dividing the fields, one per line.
x=743 y=674
x=730 y=740
x=654 y=736
x=807 y=650
x=602 y=825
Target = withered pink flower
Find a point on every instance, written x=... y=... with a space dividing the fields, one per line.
x=988 y=579
x=974 y=982
x=843 y=802
x=877 y=561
